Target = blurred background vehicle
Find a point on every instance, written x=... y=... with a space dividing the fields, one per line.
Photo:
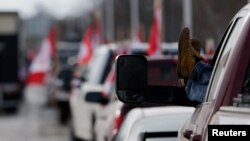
x=11 y=57
x=83 y=114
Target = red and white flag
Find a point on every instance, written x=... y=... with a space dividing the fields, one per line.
x=90 y=40
x=41 y=64
x=155 y=35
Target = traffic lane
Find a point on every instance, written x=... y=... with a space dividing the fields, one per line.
x=34 y=121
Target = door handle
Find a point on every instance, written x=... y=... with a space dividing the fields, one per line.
x=187 y=133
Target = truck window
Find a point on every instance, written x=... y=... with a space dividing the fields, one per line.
x=229 y=42
x=98 y=66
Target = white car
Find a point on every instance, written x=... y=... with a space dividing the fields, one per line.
x=154 y=123
x=82 y=112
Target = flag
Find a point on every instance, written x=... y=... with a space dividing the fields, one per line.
x=41 y=64
x=90 y=40
x=154 y=41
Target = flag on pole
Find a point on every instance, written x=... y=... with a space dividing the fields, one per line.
x=154 y=41
x=41 y=64
x=90 y=40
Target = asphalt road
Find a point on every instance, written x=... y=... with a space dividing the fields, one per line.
x=34 y=121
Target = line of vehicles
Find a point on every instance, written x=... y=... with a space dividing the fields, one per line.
x=97 y=114
x=152 y=107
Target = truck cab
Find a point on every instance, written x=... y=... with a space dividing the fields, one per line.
x=227 y=95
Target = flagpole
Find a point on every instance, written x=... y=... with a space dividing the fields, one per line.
x=187 y=14
x=109 y=8
x=134 y=15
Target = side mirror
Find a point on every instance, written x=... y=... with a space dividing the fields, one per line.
x=132 y=84
x=96 y=97
x=131 y=78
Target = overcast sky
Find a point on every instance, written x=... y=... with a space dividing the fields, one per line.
x=57 y=8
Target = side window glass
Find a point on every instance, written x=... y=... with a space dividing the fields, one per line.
x=229 y=42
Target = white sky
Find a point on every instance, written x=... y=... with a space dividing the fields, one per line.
x=57 y=8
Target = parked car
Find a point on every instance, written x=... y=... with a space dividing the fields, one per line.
x=227 y=96
x=83 y=113
x=153 y=123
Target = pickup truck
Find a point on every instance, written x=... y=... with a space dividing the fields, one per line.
x=227 y=97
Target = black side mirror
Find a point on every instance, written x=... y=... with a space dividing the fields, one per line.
x=132 y=84
x=131 y=78
x=96 y=97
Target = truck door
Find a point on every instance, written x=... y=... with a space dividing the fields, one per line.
x=195 y=128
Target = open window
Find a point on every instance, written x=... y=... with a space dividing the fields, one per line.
x=228 y=41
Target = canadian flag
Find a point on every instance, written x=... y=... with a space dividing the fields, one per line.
x=154 y=41
x=41 y=64
x=90 y=40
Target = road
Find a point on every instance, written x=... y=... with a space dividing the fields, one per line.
x=34 y=121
